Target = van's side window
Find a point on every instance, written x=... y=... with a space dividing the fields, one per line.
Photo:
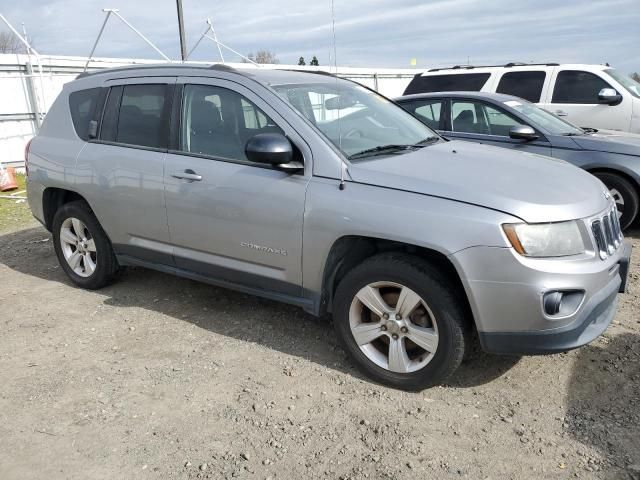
x=218 y=122
x=462 y=82
x=82 y=105
x=574 y=86
x=527 y=85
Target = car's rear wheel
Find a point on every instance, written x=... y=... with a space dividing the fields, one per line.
x=625 y=196
x=82 y=247
x=401 y=321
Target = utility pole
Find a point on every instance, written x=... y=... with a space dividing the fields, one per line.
x=183 y=43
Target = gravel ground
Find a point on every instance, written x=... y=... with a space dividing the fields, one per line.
x=159 y=377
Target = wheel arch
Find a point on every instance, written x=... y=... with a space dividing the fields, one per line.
x=351 y=250
x=53 y=198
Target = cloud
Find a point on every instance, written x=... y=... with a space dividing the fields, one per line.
x=368 y=32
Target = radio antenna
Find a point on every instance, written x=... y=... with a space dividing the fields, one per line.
x=335 y=65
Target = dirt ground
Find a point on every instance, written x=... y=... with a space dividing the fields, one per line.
x=159 y=377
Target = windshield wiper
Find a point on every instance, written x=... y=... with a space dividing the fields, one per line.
x=381 y=149
x=426 y=141
x=590 y=130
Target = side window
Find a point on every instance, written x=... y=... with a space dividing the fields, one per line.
x=82 y=105
x=498 y=121
x=461 y=82
x=218 y=122
x=573 y=86
x=467 y=117
x=427 y=111
x=527 y=85
x=140 y=119
x=478 y=117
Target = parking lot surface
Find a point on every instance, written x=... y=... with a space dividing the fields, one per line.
x=160 y=377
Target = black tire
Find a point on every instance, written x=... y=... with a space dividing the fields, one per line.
x=437 y=291
x=106 y=265
x=628 y=193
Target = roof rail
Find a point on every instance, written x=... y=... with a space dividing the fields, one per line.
x=507 y=65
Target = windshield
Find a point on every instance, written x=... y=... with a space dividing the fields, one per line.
x=627 y=82
x=356 y=120
x=551 y=123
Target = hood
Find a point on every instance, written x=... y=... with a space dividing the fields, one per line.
x=610 y=141
x=531 y=187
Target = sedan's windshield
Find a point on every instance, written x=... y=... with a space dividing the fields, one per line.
x=627 y=82
x=356 y=120
x=551 y=123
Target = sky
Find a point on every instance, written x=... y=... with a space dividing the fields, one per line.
x=369 y=33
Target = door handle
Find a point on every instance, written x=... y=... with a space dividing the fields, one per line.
x=188 y=175
x=561 y=113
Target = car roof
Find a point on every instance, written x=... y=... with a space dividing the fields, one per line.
x=496 y=97
x=267 y=76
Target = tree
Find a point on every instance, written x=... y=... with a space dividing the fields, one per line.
x=262 y=56
x=9 y=43
x=301 y=61
x=314 y=61
x=636 y=76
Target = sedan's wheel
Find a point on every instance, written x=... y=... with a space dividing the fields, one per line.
x=625 y=196
x=393 y=326
x=402 y=321
x=82 y=247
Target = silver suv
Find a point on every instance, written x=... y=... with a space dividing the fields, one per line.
x=318 y=192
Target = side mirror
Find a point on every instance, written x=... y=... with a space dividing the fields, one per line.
x=523 y=132
x=273 y=149
x=609 y=96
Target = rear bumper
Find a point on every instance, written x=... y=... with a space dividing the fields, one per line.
x=509 y=311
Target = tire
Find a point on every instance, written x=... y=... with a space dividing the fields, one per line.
x=90 y=264
x=439 y=311
x=625 y=195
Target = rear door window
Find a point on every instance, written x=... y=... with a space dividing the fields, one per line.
x=574 y=86
x=141 y=117
x=464 y=82
x=82 y=105
x=527 y=85
x=428 y=111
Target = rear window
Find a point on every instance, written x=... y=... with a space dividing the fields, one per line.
x=82 y=105
x=465 y=82
x=527 y=85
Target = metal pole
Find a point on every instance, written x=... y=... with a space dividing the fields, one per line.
x=232 y=50
x=149 y=42
x=104 y=24
x=183 y=41
x=215 y=38
x=197 y=43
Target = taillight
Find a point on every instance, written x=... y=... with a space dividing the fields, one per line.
x=26 y=157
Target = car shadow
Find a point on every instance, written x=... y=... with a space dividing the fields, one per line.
x=277 y=326
x=603 y=408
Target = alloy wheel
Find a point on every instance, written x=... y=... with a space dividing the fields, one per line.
x=394 y=327
x=78 y=247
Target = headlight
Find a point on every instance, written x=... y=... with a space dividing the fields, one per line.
x=545 y=239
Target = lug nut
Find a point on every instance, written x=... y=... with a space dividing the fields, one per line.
x=385 y=316
x=398 y=316
x=383 y=328
x=395 y=336
x=404 y=330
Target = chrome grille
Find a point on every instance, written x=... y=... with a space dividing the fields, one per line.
x=607 y=233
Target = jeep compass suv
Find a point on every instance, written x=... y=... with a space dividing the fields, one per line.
x=316 y=191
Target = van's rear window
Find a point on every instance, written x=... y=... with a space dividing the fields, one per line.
x=82 y=105
x=462 y=82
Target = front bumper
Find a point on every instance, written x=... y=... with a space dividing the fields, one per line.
x=506 y=292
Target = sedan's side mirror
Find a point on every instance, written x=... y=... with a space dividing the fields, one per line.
x=273 y=149
x=523 y=132
x=609 y=96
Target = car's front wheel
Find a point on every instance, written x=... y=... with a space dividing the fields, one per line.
x=401 y=320
x=82 y=247
x=625 y=196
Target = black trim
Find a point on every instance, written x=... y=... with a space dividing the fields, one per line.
x=624 y=266
x=306 y=303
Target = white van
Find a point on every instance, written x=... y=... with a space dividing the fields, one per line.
x=595 y=96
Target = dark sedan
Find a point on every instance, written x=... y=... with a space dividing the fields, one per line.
x=511 y=122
